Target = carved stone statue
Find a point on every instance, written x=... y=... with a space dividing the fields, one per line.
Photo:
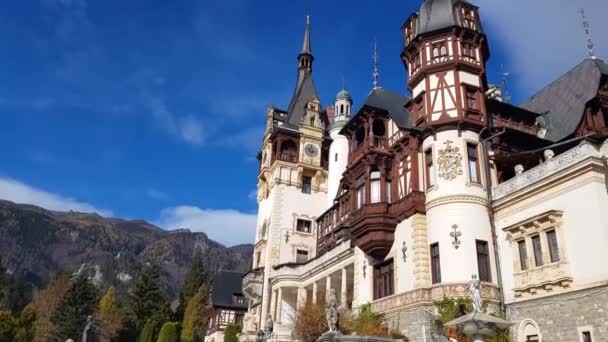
x=87 y=333
x=475 y=290
x=268 y=327
x=331 y=311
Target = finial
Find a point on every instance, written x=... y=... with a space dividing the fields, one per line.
x=376 y=72
x=505 y=85
x=343 y=83
x=587 y=28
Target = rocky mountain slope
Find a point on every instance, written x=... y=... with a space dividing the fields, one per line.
x=35 y=243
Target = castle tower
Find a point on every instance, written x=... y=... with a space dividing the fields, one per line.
x=445 y=52
x=338 y=150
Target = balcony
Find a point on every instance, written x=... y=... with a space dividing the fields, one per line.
x=288 y=157
x=332 y=228
x=372 y=228
x=252 y=284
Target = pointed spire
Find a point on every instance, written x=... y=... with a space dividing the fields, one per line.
x=587 y=28
x=376 y=72
x=305 y=57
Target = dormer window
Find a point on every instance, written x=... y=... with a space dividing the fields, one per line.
x=440 y=50
x=468 y=50
x=469 y=19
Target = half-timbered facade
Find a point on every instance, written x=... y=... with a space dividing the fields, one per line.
x=226 y=304
x=411 y=195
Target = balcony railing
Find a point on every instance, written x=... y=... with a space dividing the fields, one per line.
x=288 y=157
x=252 y=284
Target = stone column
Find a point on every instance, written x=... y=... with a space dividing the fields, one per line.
x=421 y=260
x=301 y=301
x=273 y=306
x=327 y=287
x=279 y=304
x=344 y=289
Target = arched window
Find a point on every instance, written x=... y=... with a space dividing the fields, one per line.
x=312 y=120
x=444 y=51
x=375 y=186
x=341 y=109
x=435 y=52
x=359 y=137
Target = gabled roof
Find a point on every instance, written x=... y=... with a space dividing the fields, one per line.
x=225 y=285
x=563 y=101
x=387 y=101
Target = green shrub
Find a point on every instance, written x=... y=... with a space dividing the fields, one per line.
x=150 y=330
x=230 y=333
x=169 y=332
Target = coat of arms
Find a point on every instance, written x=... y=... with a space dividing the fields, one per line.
x=449 y=161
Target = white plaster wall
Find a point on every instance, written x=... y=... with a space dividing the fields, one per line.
x=363 y=288
x=468 y=78
x=296 y=204
x=338 y=146
x=418 y=88
x=583 y=201
x=217 y=336
x=404 y=271
x=457 y=202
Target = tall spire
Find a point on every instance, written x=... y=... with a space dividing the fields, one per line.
x=305 y=57
x=587 y=28
x=376 y=72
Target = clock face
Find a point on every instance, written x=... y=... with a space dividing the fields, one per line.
x=311 y=150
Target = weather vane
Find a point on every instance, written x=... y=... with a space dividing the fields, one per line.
x=376 y=72
x=587 y=28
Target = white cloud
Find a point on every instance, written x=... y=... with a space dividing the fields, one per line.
x=15 y=191
x=227 y=226
x=187 y=128
x=157 y=194
x=543 y=38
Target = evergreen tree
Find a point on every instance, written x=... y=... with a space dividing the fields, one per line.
x=169 y=332
x=195 y=277
x=25 y=325
x=109 y=316
x=150 y=330
x=8 y=326
x=77 y=304
x=194 y=326
x=146 y=299
x=231 y=331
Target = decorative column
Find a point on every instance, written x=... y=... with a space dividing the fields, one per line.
x=301 y=301
x=421 y=252
x=344 y=289
x=314 y=292
x=273 y=305
x=327 y=288
x=279 y=305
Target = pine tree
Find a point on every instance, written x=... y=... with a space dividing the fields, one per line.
x=109 y=316
x=194 y=326
x=169 y=332
x=77 y=304
x=231 y=331
x=146 y=299
x=195 y=277
x=45 y=304
x=8 y=326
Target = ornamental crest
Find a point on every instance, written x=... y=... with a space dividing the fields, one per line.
x=449 y=161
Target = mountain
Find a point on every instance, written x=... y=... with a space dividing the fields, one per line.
x=35 y=243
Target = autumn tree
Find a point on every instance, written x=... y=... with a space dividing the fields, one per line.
x=194 y=326
x=109 y=316
x=77 y=304
x=45 y=303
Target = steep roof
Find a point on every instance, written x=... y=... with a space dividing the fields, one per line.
x=224 y=286
x=563 y=101
x=436 y=15
x=305 y=92
x=389 y=102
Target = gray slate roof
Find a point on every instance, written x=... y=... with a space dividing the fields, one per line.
x=305 y=92
x=225 y=284
x=436 y=15
x=390 y=102
x=563 y=101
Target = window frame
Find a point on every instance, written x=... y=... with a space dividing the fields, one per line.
x=435 y=263
x=429 y=168
x=523 y=259
x=309 y=231
x=384 y=279
x=305 y=251
x=553 y=248
x=483 y=258
x=475 y=98
x=306 y=186
x=537 y=249
x=473 y=147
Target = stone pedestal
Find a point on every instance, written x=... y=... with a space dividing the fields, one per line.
x=478 y=325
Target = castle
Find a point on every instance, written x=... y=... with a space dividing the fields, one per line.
x=399 y=202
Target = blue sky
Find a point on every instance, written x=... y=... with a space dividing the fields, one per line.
x=154 y=110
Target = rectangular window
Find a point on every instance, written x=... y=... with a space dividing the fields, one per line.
x=538 y=252
x=532 y=338
x=553 y=250
x=473 y=163
x=301 y=256
x=383 y=280
x=471 y=99
x=587 y=336
x=375 y=187
x=388 y=192
x=360 y=184
x=435 y=263
x=430 y=169
x=483 y=261
x=306 y=184
x=523 y=255
x=303 y=226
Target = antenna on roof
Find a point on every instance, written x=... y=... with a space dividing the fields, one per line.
x=587 y=28
x=376 y=72
x=505 y=86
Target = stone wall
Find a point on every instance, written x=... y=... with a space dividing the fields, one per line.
x=412 y=322
x=560 y=317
